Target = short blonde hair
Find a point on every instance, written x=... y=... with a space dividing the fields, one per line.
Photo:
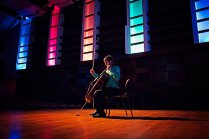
x=108 y=58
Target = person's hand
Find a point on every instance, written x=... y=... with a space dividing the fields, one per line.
x=108 y=67
x=92 y=71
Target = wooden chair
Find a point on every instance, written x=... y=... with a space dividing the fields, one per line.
x=124 y=98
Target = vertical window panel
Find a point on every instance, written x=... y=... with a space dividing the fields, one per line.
x=136 y=8
x=52 y=42
x=201 y=4
x=52 y=48
x=200 y=19
x=88 y=41
x=51 y=55
x=137 y=38
x=137 y=27
x=25 y=29
x=55 y=19
x=91 y=20
x=87 y=56
x=89 y=8
x=204 y=37
x=54 y=38
x=202 y=14
x=203 y=25
x=88 y=33
x=88 y=48
x=51 y=62
x=138 y=48
x=23 y=54
x=53 y=32
x=25 y=48
x=24 y=40
x=22 y=60
x=135 y=21
x=55 y=10
x=20 y=66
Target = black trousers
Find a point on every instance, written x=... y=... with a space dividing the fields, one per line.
x=99 y=97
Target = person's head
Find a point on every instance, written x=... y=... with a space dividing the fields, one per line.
x=108 y=60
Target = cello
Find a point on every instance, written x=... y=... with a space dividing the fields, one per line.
x=96 y=84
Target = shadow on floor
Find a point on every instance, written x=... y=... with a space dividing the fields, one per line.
x=155 y=118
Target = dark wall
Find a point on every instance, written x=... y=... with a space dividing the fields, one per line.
x=8 y=53
x=173 y=75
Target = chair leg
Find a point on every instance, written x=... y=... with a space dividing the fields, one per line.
x=130 y=107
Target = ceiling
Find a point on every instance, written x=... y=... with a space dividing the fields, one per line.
x=11 y=11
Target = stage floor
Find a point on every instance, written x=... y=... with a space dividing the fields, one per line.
x=64 y=124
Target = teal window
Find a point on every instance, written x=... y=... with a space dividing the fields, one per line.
x=137 y=28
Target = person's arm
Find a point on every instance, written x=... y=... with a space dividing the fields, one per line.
x=93 y=73
x=114 y=72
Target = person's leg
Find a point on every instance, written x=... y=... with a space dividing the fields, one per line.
x=99 y=101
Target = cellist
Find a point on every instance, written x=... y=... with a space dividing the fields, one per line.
x=111 y=88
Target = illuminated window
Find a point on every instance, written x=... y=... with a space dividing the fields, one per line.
x=24 y=41
x=55 y=31
x=137 y=29
x=200 y=19
x=91 y=21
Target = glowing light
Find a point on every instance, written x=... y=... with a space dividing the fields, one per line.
x=88 y=33
x=53 y=32
x=89 y=22
x=136 y=8
x=137 y=38
x=51 y=55
x=202 y=14
x=200 y=21
x=203 y=25
x=53 y=42
x=25 y=48
x=136 y=30
x=53 y=38
x=88 y=41
x=138 y=48
x=88 y=48
x=24 y=40
x=52 y=48
x=203 y=37
x=201 y=4
x=87 y=56
x=135 y=21
x=51 y=62
x=21 y=61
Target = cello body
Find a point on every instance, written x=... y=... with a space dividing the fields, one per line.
x=97 y=84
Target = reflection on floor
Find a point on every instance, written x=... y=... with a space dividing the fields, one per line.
x=146 y=124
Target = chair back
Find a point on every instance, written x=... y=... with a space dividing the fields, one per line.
x=127 y=86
